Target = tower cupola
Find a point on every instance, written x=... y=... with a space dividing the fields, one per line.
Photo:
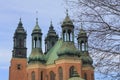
x=51 y=38
x=82 y=40
x=20 y=49
x=67 y=29
x=68 y=49
x=83 y=47
x=37 y=53
x=67 y=21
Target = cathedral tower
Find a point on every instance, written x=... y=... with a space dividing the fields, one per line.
x=67 y=29
x=51 y=38
x=87 y=68
x=19 y=60
x=36 y=61
x=68 y=58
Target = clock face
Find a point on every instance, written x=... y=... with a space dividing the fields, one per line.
x=19 y=66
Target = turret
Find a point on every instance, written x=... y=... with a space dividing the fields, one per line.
x=82 y=40
x=37 y=53
x=68 y=48
x=19 y=49
x=67 y=29
x=51 y=38
x=83 y=47
x=18 y=61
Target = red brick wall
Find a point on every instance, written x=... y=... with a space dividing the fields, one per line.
x=14 y=72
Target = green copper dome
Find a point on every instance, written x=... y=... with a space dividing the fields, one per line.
x=82 y=33
x=67 y=21
x=36 y=56
x=86 y=59
x=36 y=28
x=69 y=49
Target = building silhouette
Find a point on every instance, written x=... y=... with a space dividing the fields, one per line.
x=61 y=59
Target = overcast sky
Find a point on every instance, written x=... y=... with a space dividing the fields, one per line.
x=12 y=10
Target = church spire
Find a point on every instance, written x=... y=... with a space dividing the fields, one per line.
x=20 y=49
x=51 y=38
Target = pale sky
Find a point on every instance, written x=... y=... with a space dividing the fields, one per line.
x=12 y=10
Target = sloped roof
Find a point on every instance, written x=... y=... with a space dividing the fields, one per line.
x=68 y=48
x=51 y=56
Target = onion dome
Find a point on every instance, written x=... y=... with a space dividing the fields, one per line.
x=67 y=21
x=86 y=59
x=20 y=28
x=68 y=49
x=36 y=28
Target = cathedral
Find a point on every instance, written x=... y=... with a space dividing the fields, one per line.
x=61 y=60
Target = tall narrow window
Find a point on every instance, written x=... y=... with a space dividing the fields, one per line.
x=41 y=75
x=20 y=42
x=69 y=35
x=60 y=72
x=24 y=42
x=52 y=75
x=71 y=71
x=83 y=47
x=33 y=75
x=85 y=76
x=35 y=42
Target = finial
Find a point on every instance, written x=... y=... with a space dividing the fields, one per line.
x=20 y=20
x=36 y=17
x=51 y=23
x=37 y=21
x=81 y=27
x=67 y=12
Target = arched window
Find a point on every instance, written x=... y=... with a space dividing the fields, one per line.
x=24 y=42
x=35 y=42
x=41 y=75
x=33 y=75
x=85 y=76
x=64 y=36
x=52 y=75
x=71 y=71
x=69 y=35
x=83 y=47
x=20 y=42
x=60 y=72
